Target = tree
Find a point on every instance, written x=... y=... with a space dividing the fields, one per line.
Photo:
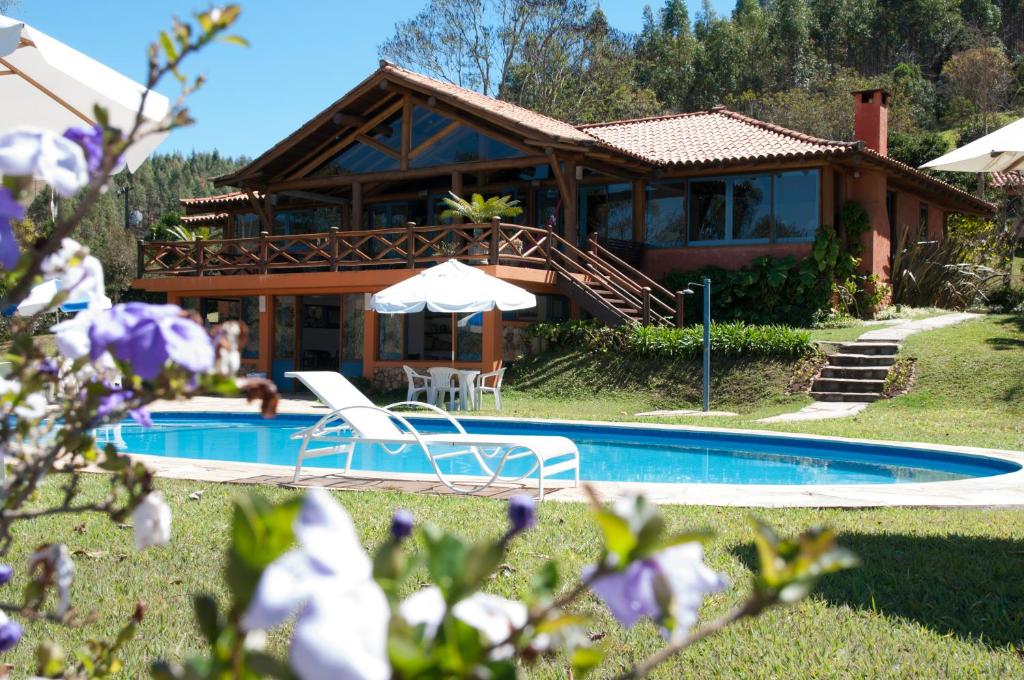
x=476 y=43
x=982 y=76
x=665 y=52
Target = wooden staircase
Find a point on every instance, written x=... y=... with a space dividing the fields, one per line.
x=611 y=289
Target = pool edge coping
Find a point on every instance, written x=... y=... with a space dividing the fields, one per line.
x=1000 y=490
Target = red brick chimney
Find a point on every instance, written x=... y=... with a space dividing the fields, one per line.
x=871 y=119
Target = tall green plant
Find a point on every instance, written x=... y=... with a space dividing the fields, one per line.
x=478 y=210
x=941 y=273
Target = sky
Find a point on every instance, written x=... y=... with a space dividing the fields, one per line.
x=303 y=55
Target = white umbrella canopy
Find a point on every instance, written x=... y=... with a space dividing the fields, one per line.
x=44 y=83
x=451 y=287
x=999 y=151
x=40 y=297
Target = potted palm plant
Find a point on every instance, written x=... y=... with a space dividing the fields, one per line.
x=479 y=210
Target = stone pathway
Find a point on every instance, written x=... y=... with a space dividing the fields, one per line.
x=822 y=410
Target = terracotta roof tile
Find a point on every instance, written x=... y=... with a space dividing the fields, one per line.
x=715 y=136
x=514 y=114
x=204 y=218
x=219 y=199
x=1007 y=179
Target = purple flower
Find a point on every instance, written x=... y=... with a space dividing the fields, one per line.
x=148 y=336
x=522 y=513
x=667 y=587
x=10 y=209
x=10 y=634
x=6 y=573
x=401 y=524
x=91 y=141
x=48 y=366
x=141 y=416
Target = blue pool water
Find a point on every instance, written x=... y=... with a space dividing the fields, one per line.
x=607 y=453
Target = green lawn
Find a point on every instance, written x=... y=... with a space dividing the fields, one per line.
x=941 y=592
x=968 y=391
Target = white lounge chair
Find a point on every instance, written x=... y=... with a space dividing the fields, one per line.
x=355 y=419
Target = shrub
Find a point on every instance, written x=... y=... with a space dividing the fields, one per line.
x=731 y=339
x=939 y=274
x=786 y=290
x=1005 y=299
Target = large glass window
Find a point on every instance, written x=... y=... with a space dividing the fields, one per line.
x=306 y=220
x=284 y=328
x=751 y=208
x=358 y=158
x=666 y=214
x=463 y=145
x=548 y=207
x=783 y=206
x=797 y=211
x=426 y=124
x=251 y=318
x=352 y=326
x=247 y=225
x=607 y=211
x=389 y=337
x=709 y=211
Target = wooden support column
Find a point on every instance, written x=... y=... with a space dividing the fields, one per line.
x=269 y=203
x=457 y=189
x=493 y=341
x=406 y=131
x=266 y=307
x=571 y=204
x=639 y=211
x=357 y=205
x=369 y=343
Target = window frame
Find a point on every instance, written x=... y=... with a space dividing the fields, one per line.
x=730 y=180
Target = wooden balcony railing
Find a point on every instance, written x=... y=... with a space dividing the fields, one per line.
x=622 y=293
x=335 y=250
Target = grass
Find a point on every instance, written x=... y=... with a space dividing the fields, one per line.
x=970 y=382
x=940 y=594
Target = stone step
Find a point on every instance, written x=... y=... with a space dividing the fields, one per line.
x=856 y=372
x=845 y=396
x=845 y=359
x=847 y=385
x=869 y=348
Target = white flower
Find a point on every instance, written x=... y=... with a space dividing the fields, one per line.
x=9 y=386
x=55 y=561
x=342 y=627
x=152 y=520
x=495 y=617
x=34 y=152
x=79 y=273
x=33 y=407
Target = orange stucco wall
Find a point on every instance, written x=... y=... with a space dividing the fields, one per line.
x=869 y=189
x=660 y=261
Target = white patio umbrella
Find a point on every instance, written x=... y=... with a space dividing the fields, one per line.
x=999 y=151
x=45 y=83
x=454 y=288
x=39 y=298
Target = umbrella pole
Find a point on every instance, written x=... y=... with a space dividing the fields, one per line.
x=453 y=339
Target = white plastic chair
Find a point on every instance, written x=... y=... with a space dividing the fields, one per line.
x=444 y=383
x=355 y=419
x=489 y=382
x=417 y=383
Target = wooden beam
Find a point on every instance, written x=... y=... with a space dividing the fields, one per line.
x=406 y=131
x=457 y=189
x=49 y=93
x=432 y=139
x=383 y=148
x=258 y=206
x=459 y=115
x=322 y=198
x=312 y=183
x=308 y=164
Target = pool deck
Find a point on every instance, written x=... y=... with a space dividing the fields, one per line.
x=1006 y=490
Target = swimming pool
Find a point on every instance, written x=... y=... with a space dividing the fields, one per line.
x=612 y=453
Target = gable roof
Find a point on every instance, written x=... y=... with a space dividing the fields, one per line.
x=710 y=137
x=688 y=140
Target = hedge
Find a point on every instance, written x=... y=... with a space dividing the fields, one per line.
x=732 y=339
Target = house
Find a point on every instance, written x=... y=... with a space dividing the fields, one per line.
x=350 y=203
